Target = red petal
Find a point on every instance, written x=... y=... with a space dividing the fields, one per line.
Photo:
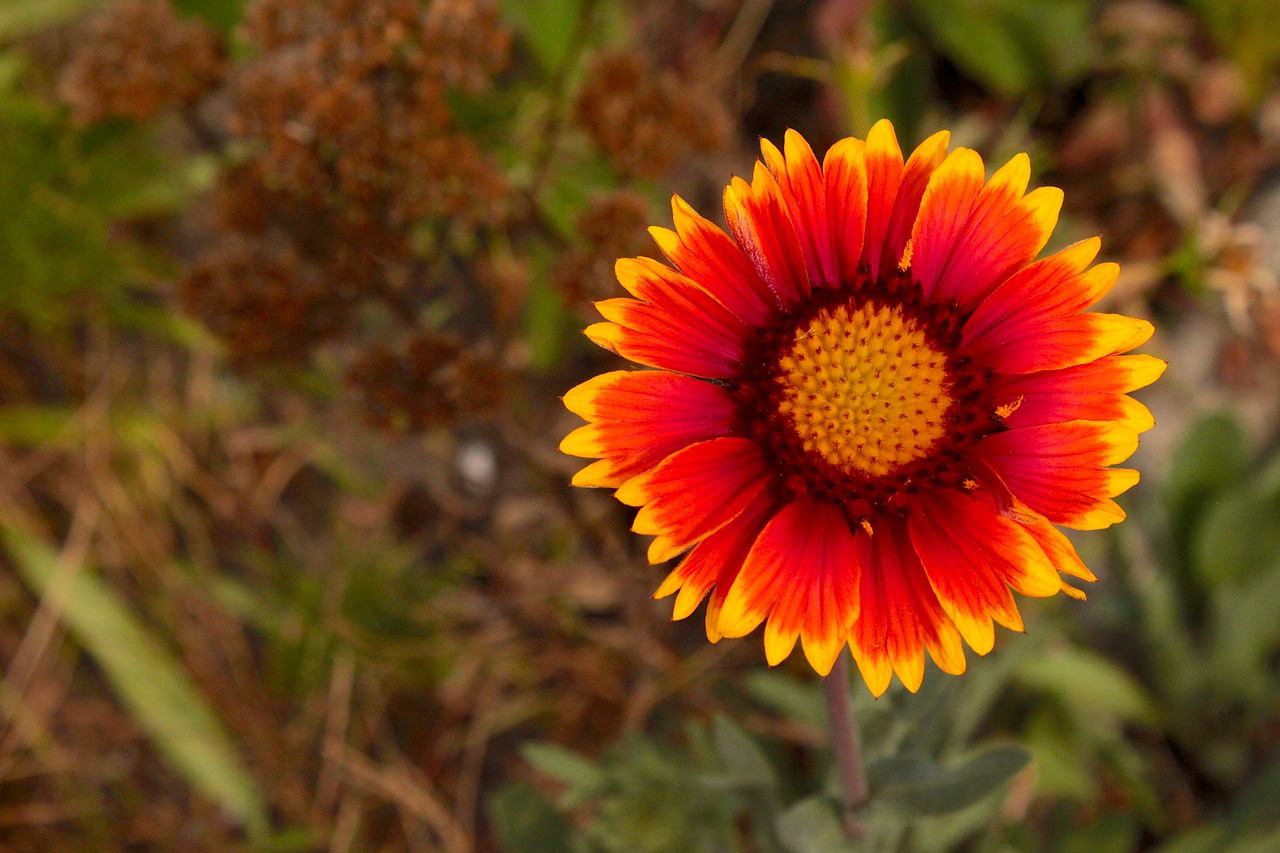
x=684 y=299
x=639 y=418
x=972 y=554
x=696 y=491
x=710 y=257
x=1030 y=322
x=1054 y=287
x=1057 y=343
x=759 y=222
x=697 y=344
x=801 y=181
x=906 y=204
x=884 y=175
x=1057 y=547
x=1060 y=470
x=715 y=561
x=803 y=573
x=844 y=171
x=1004 y=233
x=900 y=614
x=944 y=211
x=1096 y=391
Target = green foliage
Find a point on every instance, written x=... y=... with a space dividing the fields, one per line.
x=1214 y=454
x=812 y=826
x=222 y=14
x=65 y=192
x=148 y=679
x=1011 y=46
x=526 y=822
x=1185 y=700
x=1092 y=689
x=646 y=796
x=547 y=26
x=732 y=790
x=1203 y=671
x=1245 y=30
x=920 y=786
x=23 y=17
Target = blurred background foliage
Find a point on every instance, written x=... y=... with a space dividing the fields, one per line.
x=288 y=290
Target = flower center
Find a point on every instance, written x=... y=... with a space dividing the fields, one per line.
x=864 y=388
x=859 y=399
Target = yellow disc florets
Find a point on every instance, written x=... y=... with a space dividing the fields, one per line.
x=864 y=388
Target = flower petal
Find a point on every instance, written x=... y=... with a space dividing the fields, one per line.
x=704 y=253
x=844 y=170
x=1058 y=343
x=638 y=418
x=1056 y=546
x=698 y=340
x=758 y=220
x=1095 y=391
x=802 y=572
x=696 y=491
x=655 y=283
x=884 y=176
x=972 y=554
x=900 y=614
x=948 y=200
x=1005 y=231
x=1030 y=322
x=920 y=167
x=1060 y=470
x=1050 y=287
x=715 y=561
x=801 y=181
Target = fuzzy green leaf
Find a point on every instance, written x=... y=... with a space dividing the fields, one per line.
x=812 y=826
x=746 y=763
x=922 y=787
x=582 y=776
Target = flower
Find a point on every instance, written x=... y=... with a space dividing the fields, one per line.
x=871 y=405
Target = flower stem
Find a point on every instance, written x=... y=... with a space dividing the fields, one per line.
x=844 y=738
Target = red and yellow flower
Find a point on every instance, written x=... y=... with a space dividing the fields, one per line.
x=871 y=406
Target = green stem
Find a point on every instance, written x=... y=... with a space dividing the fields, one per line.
x=844 y=739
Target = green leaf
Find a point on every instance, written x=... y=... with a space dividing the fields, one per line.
x=547 y=325
x=526 y=822
x=1110 y=833
x=812 y=826
x=1246 y=633
x=34 y=426
x=222 y=14
x=150 y=682
x=1092 y=687
x=19 y=18
x=1062 y=771
x=746 y=764
x=1238 y=536
x=1011 y=46
x=1267 y=481
x=546 y=26
x=1258 y=806
x=922 y=787
x=1203 y=839
x=794 y=699
x=1245 y=31
x=583 y=776
x=64 y=189
x=579 y=177
x=1213 y=454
